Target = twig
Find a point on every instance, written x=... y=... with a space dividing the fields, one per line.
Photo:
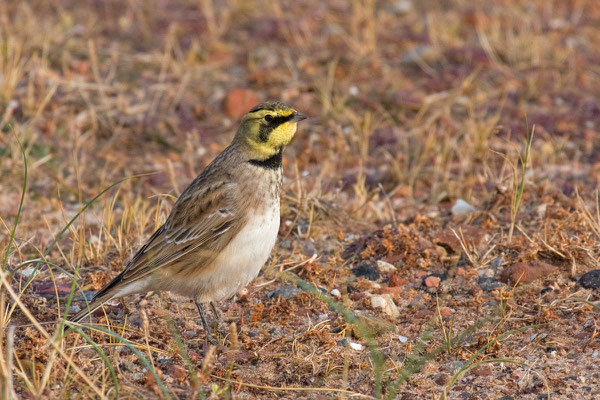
x=298 y=389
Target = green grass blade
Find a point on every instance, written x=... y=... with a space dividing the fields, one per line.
x=483 y=362
x=362 y=329
x=135 y=351
x=525 y=161
x=43 y=261
x=417 y=362
x=186 y=358
x=14 y=228
x=69 y=301
x=488 y=344
x=102 y=355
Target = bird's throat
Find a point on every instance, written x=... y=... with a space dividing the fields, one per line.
x=273 y=162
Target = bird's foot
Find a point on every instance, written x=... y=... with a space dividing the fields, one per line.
x=217 y=322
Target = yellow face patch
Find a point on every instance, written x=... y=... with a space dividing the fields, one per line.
x=280 y=136
x=262 y=133
x=283 y=134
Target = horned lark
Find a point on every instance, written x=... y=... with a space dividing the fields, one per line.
x=224 y=225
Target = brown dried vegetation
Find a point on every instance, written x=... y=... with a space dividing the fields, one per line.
x=413 y=105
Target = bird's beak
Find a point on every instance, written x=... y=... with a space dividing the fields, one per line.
x=298 y=117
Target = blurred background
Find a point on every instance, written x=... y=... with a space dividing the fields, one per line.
x=413 y=106
x=402 y=93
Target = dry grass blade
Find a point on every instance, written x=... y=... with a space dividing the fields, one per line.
x=595 y=306
x=53 y=343
x=297 y=389
x=592 y=220
x=7 y=335
x=19 y=210
x=9 y=392
x=131 y=347
x=409 y=103
x=469 y=362
x=364 y=331
x=102 y=355
x=70 y=223
x=186 y=358
x=474 y=365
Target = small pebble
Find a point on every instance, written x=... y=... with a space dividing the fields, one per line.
x=497 y=262
x=386 y=303
x=355 y=346
x=75 y=308
x=445 y=311
x=367 y=270
x=442 y=379
x=402 y=339
x=461 y=207
x=335 y=293
x=546 y=290
x=488 y=284
x=433 y=280
x=165 y=361
x=591 y=279
x=285 y=291
x=486 y=273
x=27 y=272
x=85 y=295
x=385 y=266
x=482 y=371
x=309 y=249
x=526 y=272
x=532 y=337
x=402 y=6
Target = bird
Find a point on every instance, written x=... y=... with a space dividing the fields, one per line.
x=224 y=225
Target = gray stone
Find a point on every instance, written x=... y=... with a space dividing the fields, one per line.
x=591 y=279
x=285 y=291
x=489 y=284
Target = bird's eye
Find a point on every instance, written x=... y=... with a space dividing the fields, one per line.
x=268 y=118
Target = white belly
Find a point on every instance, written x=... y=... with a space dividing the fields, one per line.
x=243 y=257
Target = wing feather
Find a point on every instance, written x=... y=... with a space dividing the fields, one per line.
x=201 y=221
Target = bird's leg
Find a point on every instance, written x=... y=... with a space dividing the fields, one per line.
x=219 y=324
x=207 y=330
x=217 y=313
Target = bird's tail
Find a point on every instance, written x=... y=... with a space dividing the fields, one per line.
x=103 y=295
x=93 y=305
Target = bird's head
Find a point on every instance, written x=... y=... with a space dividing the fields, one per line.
x=268 y=128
